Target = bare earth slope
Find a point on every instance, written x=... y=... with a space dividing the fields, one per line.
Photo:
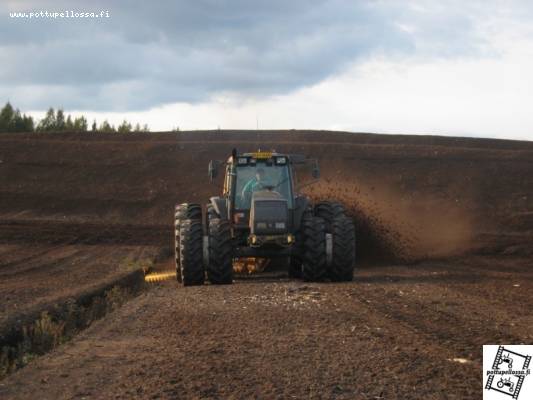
x=450 y=194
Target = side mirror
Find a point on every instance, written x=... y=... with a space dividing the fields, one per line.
x=212 y=170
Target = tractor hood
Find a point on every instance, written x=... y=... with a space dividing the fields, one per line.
x=269 y=214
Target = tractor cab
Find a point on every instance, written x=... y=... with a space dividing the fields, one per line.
x=255 y=175
x=259 y=198
x=260 y=187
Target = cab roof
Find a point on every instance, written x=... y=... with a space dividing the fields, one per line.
x=266 y=155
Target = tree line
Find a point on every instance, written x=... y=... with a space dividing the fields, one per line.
x=12 y=120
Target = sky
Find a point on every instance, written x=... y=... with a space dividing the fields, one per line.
x=415 y=66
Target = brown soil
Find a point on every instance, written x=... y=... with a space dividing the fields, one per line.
x=397 y=332
x=76 y=211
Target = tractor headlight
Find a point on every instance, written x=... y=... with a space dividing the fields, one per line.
x=261 y=225
x=280 y=225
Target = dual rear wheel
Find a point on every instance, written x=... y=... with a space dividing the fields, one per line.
x=326 y=245
x=192 y=265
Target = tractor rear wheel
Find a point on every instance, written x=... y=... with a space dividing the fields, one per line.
x=188 y=211
x=343 y=254
x=313 y=249
x=182 y=212
x=328 y=210
x=220 y=268
x=191 y=252
x=177 y=248
x=342 y=231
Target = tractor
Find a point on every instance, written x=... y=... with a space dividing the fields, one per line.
x=506 y=383
x=261 y=216
x=506 y=359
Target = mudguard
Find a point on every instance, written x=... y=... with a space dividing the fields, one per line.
x=220 y=206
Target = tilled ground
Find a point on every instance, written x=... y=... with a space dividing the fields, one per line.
x=395 y=332
x=35 y=278
x=78 y=211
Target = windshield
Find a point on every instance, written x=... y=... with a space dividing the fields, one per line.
x=253 y=178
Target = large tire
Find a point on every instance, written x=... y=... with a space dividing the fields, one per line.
x=191 y=252
x=188 y=211
x=343 y=254
x=314 y=268
x=220 y=268
x=177 y=248
x=329 y=210
x=181 y=212
x=295 y=266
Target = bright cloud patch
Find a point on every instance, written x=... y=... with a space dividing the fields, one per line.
x=418 y=66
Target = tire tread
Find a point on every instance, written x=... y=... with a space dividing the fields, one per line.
x=220 y=268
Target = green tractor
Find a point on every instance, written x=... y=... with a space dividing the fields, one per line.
x=260 y=216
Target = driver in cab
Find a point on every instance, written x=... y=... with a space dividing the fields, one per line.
x=255 y=184
x=261 y=181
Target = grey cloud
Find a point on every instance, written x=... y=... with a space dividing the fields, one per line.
x=152 y=53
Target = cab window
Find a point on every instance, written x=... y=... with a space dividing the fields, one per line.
x=258 y=177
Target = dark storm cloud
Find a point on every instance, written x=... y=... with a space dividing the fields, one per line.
x=150 y=53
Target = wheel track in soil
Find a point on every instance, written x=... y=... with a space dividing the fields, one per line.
x=494 y=283
x=37 y=267
x=439 y=326
x=410 y=346
x=25 y=257
x=78 y=255
x=53 y=232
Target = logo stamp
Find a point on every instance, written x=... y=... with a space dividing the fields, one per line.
x=506 y=372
